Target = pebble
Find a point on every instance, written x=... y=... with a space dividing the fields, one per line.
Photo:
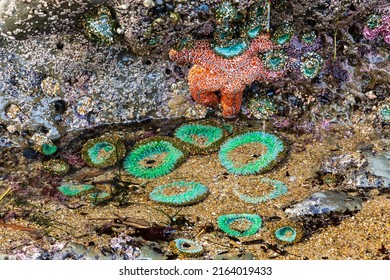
x=148 y=3
x=371 y=95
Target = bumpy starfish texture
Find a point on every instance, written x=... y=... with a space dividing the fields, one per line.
x=212 y=73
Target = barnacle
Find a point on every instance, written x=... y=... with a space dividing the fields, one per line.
x=273 y=145
x=154 y=158
x=179 y=193
x=244 y=224
x=103 y=151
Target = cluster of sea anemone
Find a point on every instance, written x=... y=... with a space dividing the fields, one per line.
x=235 y=28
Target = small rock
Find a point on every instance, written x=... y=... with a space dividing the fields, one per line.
x=371 y=95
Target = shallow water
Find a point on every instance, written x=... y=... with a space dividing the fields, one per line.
x=50 y=218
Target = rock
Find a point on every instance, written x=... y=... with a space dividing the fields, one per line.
x=379 y=165
x=340 y=164
x=325 y=202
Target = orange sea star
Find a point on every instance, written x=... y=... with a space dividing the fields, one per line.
x=212 y=73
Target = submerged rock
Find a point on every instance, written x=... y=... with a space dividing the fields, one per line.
x=325 y=202
x=379 y=165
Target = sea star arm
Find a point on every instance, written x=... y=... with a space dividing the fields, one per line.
x=203 y=86
x=231 y=100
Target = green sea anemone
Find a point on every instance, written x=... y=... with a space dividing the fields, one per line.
x=99 y=197
x=154 y=158
x=275 y=60
x=186 y=247
x=311 y=64
x=75 y=190
x=384 y=113
x=56 y=166
x=287 y=232
x=283 y=34
x=103 y=151
x=229 y=40
x=260 y=161
x=200 y=138
x=279 y=189
x=308 y=36
x=374 y=21
x=48 y=149
x=261 y=107
x=258 y=20
x=238 y=48
x=43 y=144
x=100 y=26
x=179 y=193
x=241 y=226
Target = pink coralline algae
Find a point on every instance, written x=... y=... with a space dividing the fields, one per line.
x=298 y=48
x=377 y=26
